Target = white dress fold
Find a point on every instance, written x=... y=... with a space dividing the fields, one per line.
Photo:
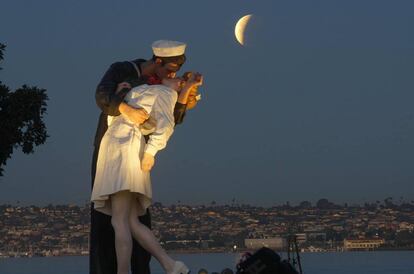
x=119 y=159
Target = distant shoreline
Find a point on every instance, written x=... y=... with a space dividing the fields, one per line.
x=221 y=251
x=65 y=230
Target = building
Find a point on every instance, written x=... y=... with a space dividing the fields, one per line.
x=364 y=244
x=301 y=238
x=277 y=243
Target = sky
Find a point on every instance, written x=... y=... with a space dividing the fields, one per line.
x=317 y=104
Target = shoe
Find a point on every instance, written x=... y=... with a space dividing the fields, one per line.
x=180 y=268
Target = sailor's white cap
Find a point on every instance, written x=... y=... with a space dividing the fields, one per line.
x=166 y=48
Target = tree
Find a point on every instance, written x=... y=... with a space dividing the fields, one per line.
x=21 y=119
x=388 y=202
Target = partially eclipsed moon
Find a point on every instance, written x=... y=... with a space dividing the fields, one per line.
x=240 y=28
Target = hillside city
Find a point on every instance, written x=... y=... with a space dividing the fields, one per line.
x=62 y=230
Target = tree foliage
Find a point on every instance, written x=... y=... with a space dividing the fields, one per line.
x=21 y=118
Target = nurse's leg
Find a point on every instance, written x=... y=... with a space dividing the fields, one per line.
x=121 y=204
x=146 y=238
x=140 y=260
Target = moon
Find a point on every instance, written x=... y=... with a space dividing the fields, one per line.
x=241 y=27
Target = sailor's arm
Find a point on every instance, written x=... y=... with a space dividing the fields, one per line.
x=111 y=100
x=107 y=99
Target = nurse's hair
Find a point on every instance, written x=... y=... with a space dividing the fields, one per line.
x=188 y=75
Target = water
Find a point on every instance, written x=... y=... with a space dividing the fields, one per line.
x=384 y=262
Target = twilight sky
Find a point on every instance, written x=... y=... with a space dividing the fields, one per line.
x=319 y=104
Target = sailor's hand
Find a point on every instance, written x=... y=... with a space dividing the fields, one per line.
x=147 y=162
x=135 y=115
x=121 y=86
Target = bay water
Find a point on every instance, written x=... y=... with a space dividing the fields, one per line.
x=382 y=262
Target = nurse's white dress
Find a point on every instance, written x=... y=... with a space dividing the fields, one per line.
x=122 y=146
